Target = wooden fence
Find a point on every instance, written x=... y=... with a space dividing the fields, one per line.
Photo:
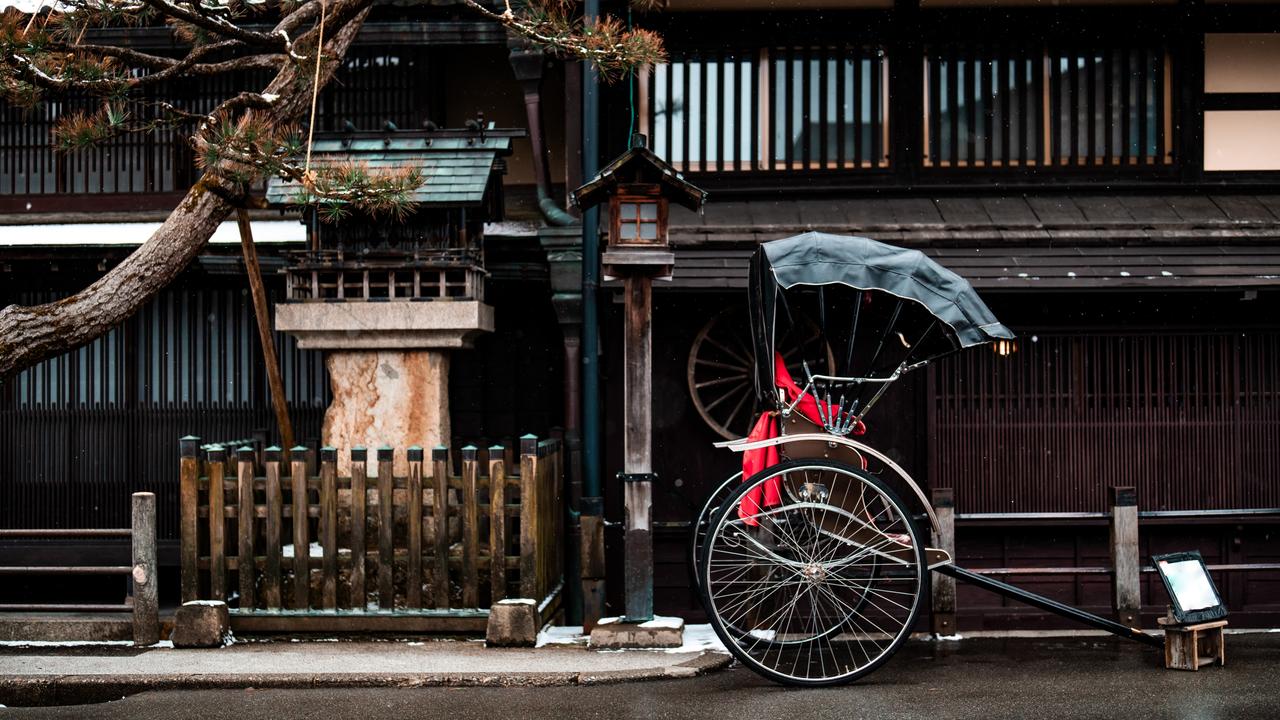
x=428 y=566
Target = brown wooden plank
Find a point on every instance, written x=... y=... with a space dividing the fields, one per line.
x=497 y=524
x=386 y=524
x=329 y=527
x=470 y=529
x=189 y=499
x=528 y=517
x=359 y=499
x=301 y=537
x=440 y=513
x=217 y=524
x=273 y=521
x=413 y=519
x=244 y=541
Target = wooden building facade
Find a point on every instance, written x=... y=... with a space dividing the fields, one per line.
x=1104 y=174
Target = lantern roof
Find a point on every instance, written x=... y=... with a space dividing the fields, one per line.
x=639 y=164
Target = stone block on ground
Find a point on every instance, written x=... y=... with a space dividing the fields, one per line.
x=201 y=624
x=513 y=623
x=660 y=632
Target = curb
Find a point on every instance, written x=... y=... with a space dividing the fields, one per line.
x=84 y=689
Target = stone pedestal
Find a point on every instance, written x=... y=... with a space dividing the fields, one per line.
x=388 y=365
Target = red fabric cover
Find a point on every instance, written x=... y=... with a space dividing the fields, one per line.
x=753 y=461
x=766 y=428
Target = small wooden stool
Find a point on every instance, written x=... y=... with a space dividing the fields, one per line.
x=1187 y=647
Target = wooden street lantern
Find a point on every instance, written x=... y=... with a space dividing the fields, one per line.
x=638 y=187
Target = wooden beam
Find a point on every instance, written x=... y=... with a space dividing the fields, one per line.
x=272 y=364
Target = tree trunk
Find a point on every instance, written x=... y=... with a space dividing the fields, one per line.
x=31 y=334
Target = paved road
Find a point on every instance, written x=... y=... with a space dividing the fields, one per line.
x=987 y=679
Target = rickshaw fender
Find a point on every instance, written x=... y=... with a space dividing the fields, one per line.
x=744 y=445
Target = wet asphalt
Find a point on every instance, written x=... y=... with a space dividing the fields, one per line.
x=1021 y=678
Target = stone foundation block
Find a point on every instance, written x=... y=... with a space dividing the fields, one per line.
x=201 y=624
x=660 y=632
x=513 y=623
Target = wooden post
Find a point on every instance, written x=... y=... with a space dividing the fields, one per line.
x=189 y=500
x=440 y=513
x=359 y=476
x=264 y=327
x=386 y=522
x=413 y=523
x=217 y=461
x=528 y=518
x=944 y=586
x=329 y=526
x=637 y=447
x=244 y=520
x=146 y=583
x=301 y=538
x=497 y=524
x=470 y=529
x=1126 y=586
x=275 y=515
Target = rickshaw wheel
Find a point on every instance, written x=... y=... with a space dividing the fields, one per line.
x=703 y=521
x=826 y=586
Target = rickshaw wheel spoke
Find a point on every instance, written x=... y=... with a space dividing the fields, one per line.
x=815 y=592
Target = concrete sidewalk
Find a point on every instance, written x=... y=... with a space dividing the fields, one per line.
x=49 y=673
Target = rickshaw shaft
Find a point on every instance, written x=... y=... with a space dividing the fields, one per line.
x=1053 y=606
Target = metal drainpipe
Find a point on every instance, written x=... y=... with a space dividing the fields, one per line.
x=592 y=500
x=527 y=65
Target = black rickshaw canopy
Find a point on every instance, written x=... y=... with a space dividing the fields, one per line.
x=877 y=309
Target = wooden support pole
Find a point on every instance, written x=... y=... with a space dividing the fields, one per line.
x=440 y=513
x=944 y=586
x=189 y=499
x=470 y=529
x=301 y=536
x=528 y=518
x=272 y=528
x=217 y=465
x=386 y=524
x=637 y=446
x=329 y=527
x=1126 y=587
x=146 y=583
x=244 y=521
x=359 y=477
x=259 y=292
x=413 y=522
x=497 y=525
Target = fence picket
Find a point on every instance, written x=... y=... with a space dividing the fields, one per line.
x=301 y=540
x=440 y=512
x=359 y=476
x=470 y=531
x=217 y=524
x=497 y=524
x=386 y=524
x=413 y=521
x=329 y=527
x=244 y=520
x=275 y=509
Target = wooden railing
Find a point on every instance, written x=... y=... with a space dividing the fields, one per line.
x=444 y=547
x=326 y=275
x=144 y=600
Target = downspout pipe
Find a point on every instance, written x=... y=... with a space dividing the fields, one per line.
x=592 y=501
x=527 y=64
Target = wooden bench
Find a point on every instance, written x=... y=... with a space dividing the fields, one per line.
x=1187 y=647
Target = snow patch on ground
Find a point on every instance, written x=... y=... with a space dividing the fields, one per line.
x=209 y=603
x=561 y=635
x=699 y=638
x=517 y=601
x=660 y=621
x=79 y=643
x=314 y=549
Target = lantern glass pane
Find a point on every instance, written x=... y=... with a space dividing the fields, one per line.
x=627 y=211
x=648 y=231
x=649 y=211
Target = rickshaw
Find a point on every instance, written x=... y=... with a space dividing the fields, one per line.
x=811 y=564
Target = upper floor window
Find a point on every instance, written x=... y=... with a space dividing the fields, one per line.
x=797 y=108
x=987 y=107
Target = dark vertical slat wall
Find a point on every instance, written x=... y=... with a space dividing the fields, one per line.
x=84 y=430
x=1189 y=419
x=373 y=87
